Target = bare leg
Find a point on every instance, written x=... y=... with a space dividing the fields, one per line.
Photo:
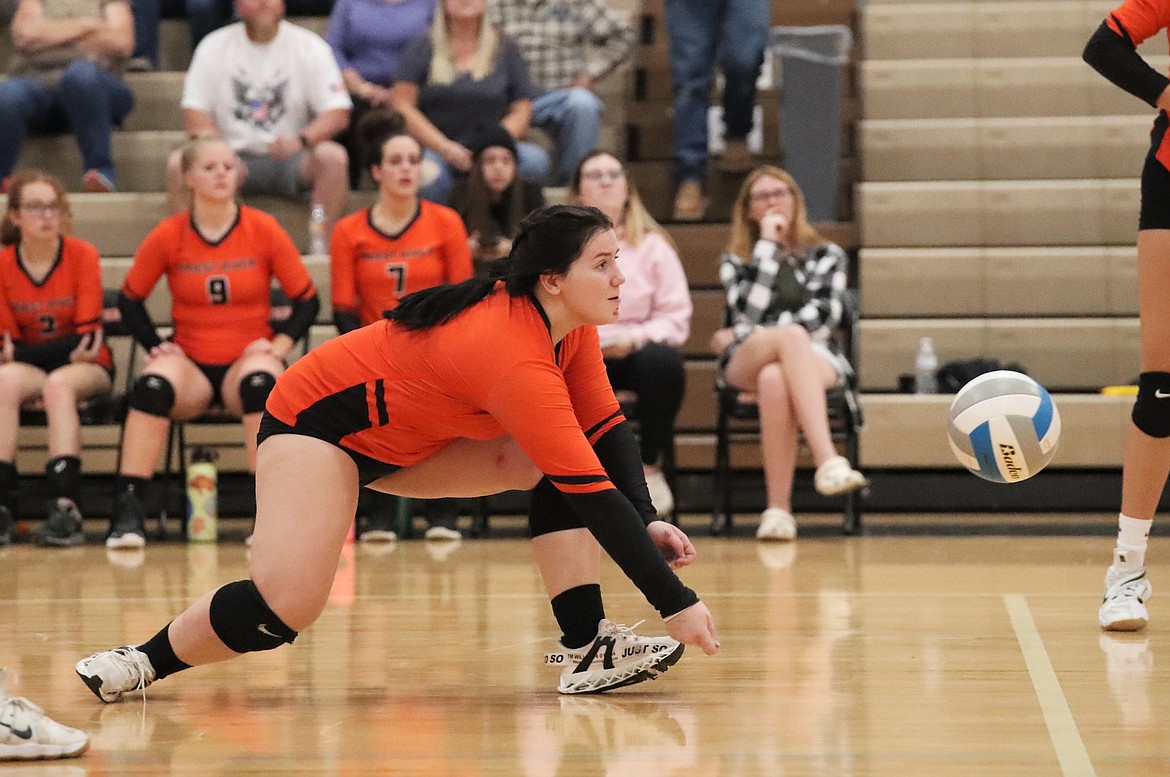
x=567 y=559
x=145 y=435
x=306 y=494
x=1146 y=460
x=807 y=375
x=778 y=431
x=63 y=388
x=327 y=167
x=246 y=365
x=19 y=382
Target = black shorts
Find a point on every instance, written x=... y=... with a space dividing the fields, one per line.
x=369 y=469
x=1155 y=213
x=215 y=374
x=48 y=367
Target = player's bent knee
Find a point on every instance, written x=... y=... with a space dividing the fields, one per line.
x=153 y=395
x=1151 y=412
x=254 y=390
x=244 y=622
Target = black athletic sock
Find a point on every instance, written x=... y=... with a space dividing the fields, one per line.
x=63 y=474
x=123 y=483
x=578 y=611
x=162 y=656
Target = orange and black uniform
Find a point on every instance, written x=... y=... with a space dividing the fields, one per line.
x=371 y=270
x=221 y=290
x=48 y=319
x=391 y=397
x=1112 y=51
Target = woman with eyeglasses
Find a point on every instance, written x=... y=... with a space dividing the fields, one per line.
x=52 y=350
x=399 y=245
x=782 y=280
x=642 y=348
x=219 y=258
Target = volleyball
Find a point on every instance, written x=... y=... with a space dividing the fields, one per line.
x=1003 y=426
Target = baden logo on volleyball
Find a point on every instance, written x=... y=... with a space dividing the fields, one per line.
x=1004 y=426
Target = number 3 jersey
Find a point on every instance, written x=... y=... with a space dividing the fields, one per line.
x=66 y=303
x=220 y=291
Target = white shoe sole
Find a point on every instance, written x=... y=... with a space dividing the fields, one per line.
x=126 y=541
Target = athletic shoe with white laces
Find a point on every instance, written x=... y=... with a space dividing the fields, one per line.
x=111 y=673
x=1126 y=592
x=660 y=493
x=617 y=657
x=28 y=734
x=776 y=523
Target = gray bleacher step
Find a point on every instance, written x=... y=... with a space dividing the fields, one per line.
x=998 y=213
x=1021 y=86
x=140 y=159
x=1045 y=147
x=1014 y=281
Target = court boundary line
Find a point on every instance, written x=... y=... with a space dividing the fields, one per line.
x=1062 y=727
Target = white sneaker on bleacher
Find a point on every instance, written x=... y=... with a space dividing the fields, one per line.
x=617 y=657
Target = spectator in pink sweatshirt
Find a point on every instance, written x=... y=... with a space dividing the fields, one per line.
x=642 y=349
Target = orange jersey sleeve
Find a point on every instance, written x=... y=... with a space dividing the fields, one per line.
x=371 y=270
x=1141 y=19
x=588 y=383
x=220 y=290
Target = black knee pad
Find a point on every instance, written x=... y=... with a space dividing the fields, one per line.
x=244 y=622
x=254 y=390
x=153 y=395
x=1151 y=412
x=549 y=511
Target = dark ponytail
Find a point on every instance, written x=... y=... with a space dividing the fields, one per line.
x=548 y=241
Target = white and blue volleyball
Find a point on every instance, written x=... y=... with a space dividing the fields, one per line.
x=1004 y=426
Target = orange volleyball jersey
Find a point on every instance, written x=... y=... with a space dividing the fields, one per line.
x=220 y=290
x=372 y=270
x=490 y=372
x=68 y=301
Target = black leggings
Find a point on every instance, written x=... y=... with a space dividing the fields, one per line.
x=657 y=374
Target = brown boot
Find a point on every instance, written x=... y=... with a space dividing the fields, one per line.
x=689 y=202
x=737 y=158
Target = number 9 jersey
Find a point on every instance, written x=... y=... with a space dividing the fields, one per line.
x=219 y=290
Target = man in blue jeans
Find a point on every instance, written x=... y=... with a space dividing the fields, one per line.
x=66 y=77
x=553 y=36
x=703 y=32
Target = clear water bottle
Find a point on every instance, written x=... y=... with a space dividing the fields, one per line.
x=317 y=242
x=202 y=497
x=926 y=368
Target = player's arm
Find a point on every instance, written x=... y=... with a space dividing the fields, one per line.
x=342 y=286
x=298 y=285
x=149 y=265
x=1112 y=50
x=88 y=316
x=531 y=403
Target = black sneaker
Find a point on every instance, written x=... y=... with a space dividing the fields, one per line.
x=7 y=528
x=128 y=529
x=63 y=526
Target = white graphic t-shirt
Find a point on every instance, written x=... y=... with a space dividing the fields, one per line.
x=255 y=92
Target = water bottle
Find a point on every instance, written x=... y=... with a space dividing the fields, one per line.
x=317 y=242
x=926 y=368
x=202 y=497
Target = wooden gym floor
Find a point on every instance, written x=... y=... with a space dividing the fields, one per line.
x=885 y=654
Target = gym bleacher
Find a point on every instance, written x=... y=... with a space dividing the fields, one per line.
x=988 y=191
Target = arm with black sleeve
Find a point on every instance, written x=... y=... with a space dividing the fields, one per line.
x=137 y=321
x=1112 y=52
x=304 y=313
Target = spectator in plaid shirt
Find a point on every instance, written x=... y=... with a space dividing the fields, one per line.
x=782 y=305
x=553 y=36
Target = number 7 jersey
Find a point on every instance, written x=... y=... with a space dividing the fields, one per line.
x=220 y=291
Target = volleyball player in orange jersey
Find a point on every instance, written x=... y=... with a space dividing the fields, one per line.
x=397 y=246
x=219 y=258
x=470 y=389
x=1112 y=51
x=52 y=349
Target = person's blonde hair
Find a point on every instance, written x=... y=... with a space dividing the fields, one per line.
x=745 y=232
x=9 y=231
x=195 y=143
x=443 y=57
x=636 y=219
